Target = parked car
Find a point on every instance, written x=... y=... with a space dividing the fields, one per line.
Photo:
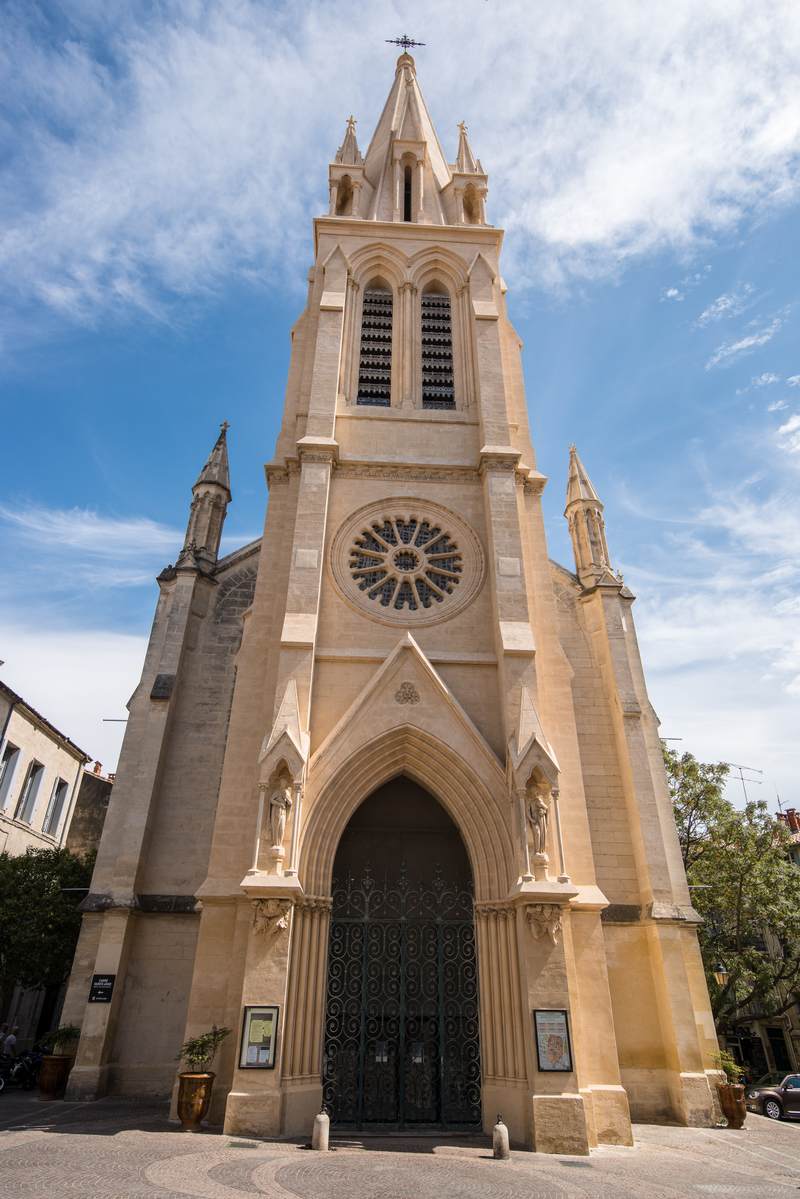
x=776 y=1095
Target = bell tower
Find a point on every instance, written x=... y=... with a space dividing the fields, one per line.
x=419 y=686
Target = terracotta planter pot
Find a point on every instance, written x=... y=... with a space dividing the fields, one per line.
x=53 y=1075
x=731 y=1100
x=194 y=1096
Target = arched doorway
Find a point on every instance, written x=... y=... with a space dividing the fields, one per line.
x=402 y=1045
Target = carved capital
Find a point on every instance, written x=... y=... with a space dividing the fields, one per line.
x=271 y=917
x=544 y=920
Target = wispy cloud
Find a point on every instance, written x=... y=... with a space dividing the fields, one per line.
x=731 y=351
x=719 y=625
x=789 y=440
x=729 y=304
x=81 y=529
x=777 y=406
x=153 y=153
x=672 y=293
x=793 y=380
x=765 y=379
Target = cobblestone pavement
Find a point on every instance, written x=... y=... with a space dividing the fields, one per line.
x=117 y=1150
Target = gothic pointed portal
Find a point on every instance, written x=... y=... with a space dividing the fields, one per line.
x=410 y=772
x=402 y=1046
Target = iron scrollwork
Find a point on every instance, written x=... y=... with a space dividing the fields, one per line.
x=401 y=1030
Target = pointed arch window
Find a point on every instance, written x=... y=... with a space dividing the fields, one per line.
x=438 y=389
x=375 y=364
x=407 y=184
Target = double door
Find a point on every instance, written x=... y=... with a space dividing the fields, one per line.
x=401 y=1027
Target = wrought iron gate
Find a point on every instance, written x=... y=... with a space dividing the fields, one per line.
x=402 y=1041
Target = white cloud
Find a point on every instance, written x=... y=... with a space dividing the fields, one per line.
x=730 y=303
x=789 y=435
x=766 y=379
x=154 y=152
x=672 y=293
x=730 y=351
x=793 y=380
x=719 y=625
x=75 y=678
x=777 y=406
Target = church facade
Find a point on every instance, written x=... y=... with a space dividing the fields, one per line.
x=390 y=804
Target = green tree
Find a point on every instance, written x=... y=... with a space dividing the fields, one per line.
x=746 y=888
x=39 y=917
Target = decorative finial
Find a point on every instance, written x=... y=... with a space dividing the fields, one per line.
x=351 y=123
x=405 y=41
x=462 y=128
x=573 y=449
x=224 y=426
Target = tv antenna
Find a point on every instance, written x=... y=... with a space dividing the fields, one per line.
x=743 y=780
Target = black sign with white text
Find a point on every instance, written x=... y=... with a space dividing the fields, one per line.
x=101 y=988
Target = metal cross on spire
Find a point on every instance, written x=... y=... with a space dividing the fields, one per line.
x=405 y=41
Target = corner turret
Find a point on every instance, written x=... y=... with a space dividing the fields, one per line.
x=584 y=513
x=211 y=495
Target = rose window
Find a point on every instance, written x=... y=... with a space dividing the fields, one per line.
x=405 y=562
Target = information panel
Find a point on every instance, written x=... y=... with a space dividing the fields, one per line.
x=553 y=1048
x=259 y=1037
x=102 y=988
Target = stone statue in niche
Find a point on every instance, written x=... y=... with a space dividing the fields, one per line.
x=538 y=813
x=280 y=805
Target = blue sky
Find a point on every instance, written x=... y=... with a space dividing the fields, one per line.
x=160 y=167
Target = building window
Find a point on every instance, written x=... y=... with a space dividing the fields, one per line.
x=55 y=808
x=405 y=562
x=30 y=790
x=437 y=352
x=407 y=177
x=344 y=196
x=8 y=764
x=375 y=366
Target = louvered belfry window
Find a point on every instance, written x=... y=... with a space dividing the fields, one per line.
x=437 y=352
x=375 y=366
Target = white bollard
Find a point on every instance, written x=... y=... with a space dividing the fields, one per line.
x=322 y=1128
x=500 y=1148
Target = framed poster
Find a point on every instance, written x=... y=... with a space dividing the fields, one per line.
x=553 y=1048
x=259 y=1037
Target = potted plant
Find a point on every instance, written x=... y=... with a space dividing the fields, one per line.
x=731 y=1092
x=56 y=1064
x=196 y=1081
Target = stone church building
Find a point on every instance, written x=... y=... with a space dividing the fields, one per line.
x=391 y=776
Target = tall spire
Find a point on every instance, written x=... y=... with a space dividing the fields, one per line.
x=584 y=513
x=211 y=495
x=216 y=467
x=405 y=175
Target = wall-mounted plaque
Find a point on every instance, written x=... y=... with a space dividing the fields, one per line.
x=259 y=1037
x=102 y=988
x=553 y=1049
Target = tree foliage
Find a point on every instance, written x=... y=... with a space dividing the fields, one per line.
x=39 y=917
x=746 y=888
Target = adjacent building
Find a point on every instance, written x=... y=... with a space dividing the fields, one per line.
x=391 y=802
x=40 y=775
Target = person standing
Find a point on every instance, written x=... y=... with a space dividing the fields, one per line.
x=10 y=1042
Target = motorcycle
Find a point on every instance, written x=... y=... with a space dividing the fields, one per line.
x=20 y=1071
